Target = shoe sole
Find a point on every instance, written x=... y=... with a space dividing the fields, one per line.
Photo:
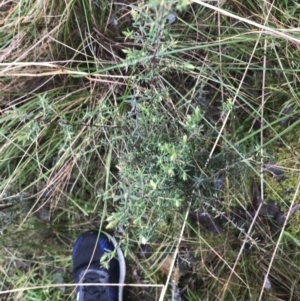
x=122 y=265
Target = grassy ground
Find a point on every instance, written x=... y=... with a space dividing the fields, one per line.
x=132 y=114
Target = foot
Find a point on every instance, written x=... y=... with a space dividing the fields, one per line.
x=87 y=252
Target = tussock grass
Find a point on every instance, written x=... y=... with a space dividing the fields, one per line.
x=113 y=117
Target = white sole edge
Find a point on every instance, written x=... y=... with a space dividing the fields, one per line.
x=122 y=265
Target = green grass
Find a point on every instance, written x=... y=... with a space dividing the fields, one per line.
x=131 y=125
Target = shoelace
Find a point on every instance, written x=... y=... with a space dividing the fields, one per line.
x=95 y=293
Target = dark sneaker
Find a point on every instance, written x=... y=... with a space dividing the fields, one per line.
x=87 y=251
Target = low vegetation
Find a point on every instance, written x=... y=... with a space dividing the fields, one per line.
x=127 y=117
